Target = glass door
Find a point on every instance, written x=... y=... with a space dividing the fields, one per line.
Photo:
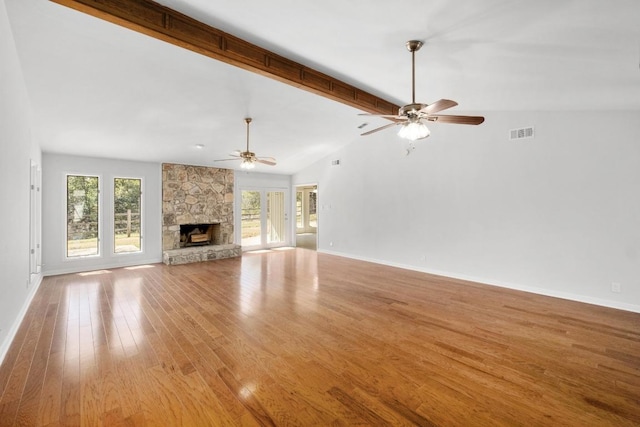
x=275 y=217
x=263 y=218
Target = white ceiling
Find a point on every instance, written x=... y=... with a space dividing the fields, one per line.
x=101 y=90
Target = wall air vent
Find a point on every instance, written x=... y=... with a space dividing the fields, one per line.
x=522 y=133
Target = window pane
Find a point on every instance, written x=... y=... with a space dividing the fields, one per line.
x=250 y=224
x=127 y=225
x=313 y=217
x=275 y=217
x=82 y=215
x=299 y=223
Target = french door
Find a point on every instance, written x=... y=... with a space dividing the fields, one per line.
x=263 y=222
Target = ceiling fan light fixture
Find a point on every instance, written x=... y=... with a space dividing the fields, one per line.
x=247 y=164
x=414 y=130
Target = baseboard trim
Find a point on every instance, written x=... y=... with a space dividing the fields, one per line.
x=93 y=267
x=6 y=344
x=534 y=290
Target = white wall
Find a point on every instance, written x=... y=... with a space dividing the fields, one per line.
x=17 y=149
x=558 y=214
x=55 y=169
x=259 y=179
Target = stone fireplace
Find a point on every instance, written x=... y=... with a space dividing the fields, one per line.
x=197 y=214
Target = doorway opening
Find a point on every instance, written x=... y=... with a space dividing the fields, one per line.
x=307 y=216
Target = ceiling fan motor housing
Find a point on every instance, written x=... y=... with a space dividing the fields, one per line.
x=410 y=110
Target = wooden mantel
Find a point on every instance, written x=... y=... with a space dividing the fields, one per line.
x=162 y=23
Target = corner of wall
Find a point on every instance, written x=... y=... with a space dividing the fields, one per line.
x=6 y=343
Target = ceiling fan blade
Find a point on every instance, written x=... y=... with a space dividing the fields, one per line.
x=460 y=120
x=439 y=105
x=223 y=160
x=381 y=128
x=270 y=162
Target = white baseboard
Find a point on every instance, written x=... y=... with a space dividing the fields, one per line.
x=94 y=267
x=534 y=290
x=4 y=346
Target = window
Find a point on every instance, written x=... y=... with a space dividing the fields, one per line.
x=83 y=232
x=313 y=216
x=251 y=224
x=299 y=219
x=306 y=209
x=127 y=215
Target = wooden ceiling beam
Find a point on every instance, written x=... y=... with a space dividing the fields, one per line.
x=165 y=24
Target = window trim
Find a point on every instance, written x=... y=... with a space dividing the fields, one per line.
x=113 y=220
x=65 y=218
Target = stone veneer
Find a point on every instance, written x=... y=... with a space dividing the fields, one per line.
x=200 y=253
x=196 y=195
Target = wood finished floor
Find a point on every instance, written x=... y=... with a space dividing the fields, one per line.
x=307 y=339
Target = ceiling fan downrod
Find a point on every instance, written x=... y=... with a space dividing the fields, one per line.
x=248 y=120
x=413 y=46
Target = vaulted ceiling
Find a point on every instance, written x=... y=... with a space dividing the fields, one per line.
x=99 y=89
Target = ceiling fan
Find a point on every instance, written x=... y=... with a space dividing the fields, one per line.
x=412 y=117
x=249 y=158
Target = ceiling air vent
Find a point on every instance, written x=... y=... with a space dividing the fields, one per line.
x=522 y=133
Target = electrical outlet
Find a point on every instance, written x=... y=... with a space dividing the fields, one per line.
x=423 y=258
x=615 y=287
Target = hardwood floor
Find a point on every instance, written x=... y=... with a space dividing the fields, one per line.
x=301 y=338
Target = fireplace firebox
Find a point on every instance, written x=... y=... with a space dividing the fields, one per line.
x=199 y=234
